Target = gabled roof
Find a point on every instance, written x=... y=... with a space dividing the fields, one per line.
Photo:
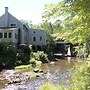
x=7 y=18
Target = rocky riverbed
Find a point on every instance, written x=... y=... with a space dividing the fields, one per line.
x=58 y=73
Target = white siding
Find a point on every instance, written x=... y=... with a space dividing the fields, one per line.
x=25 y=36
x=11 y=20
x=2 y=21
x=15 y=36
x=12 y=31
x=37 y=34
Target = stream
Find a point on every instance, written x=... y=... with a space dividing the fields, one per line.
x=59 y=72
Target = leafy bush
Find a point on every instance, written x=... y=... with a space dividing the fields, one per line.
x=10 y=55
x=41 y=56
x=35 y=63
x=88 y=58
x=23 y=56
x=49 y=86
x=7 y=56
x=81 y=77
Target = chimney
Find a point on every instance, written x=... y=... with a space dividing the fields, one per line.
x=6 y=16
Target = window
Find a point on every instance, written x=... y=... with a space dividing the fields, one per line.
x=34 y=39
x=9 y=35
x=13 y=24
x=1 y=35
x=16 y=36
x=40 y=38
x=33 y=31
x=5 y=35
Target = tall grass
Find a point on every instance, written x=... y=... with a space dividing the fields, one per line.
x=50 y=86
x=81 y=77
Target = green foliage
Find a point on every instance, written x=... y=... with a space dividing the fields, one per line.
x=35 y=62
x=23 y=56
x=81 y=77
x=48 y=26
x=52 y=11
x=23 y=66
x=7 y=56
x=72 y=21
x=88 y=57
x=78 y=21
x=80 y=51
x=49 y=86
x=80 y=80
x=27 y=24
x=41 y=56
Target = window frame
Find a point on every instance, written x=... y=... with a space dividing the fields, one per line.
x=40 y=38
x=5 y=34
x=34 y=32
x=34 y=39
x=1 y=36
x=9 y=35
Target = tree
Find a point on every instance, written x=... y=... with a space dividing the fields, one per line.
x=79 y=14
x=75 y=23
x=28 y=24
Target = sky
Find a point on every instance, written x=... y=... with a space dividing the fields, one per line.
x=25 y=9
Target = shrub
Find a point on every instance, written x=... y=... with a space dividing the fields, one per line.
x=49 y=86
x=7 y=56
x=88 y=58
x=10 y=57
x=35 y=63
x=23 y=56
x=41 y=56
x=81 y=77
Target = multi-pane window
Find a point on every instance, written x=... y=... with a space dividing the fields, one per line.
x=5 y=35
x=1 y=35
x=34 y=39
x=10 y=35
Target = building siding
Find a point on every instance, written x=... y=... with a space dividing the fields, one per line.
x=26 y=36
x=37 y=33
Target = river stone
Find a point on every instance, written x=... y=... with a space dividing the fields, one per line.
x=36 y=70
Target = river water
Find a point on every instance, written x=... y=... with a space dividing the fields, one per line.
x=59 y=72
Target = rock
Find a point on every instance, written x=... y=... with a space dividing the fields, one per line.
x=14 y=81
x=52 y=63
x=36 y=70
x=37 y=75
x=40 y=71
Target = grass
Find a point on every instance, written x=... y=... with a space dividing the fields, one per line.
x=30 y=67
x=23 y=66
x=37 y=64
x=33 y=74
x=50 y=86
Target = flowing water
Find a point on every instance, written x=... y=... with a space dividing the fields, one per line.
x=58 y=72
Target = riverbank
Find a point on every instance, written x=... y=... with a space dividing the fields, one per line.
x=57 y=73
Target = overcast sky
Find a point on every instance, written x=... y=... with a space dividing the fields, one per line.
x=25 y=9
